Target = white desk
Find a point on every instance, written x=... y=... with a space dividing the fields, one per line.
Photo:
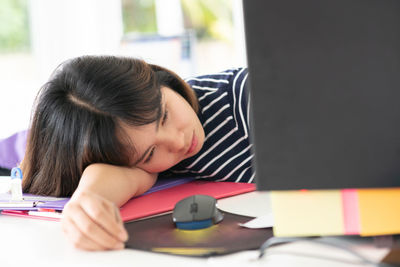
x=31 y=242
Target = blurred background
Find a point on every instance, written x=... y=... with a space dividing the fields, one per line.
x=191 y=37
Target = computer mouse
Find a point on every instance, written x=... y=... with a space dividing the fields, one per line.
x=196 y=212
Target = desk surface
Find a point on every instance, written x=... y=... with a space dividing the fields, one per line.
x=31 y=242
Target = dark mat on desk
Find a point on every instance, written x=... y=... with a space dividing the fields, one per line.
x=159 y=234
x=393 y=257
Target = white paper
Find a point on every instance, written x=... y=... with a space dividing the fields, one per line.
x=264 y=221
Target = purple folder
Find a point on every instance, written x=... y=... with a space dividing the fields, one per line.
x=41 y=202
x=55 y=203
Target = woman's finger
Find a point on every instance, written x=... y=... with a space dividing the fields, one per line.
x=91 y=229
x=77 y=238
x=107 y=216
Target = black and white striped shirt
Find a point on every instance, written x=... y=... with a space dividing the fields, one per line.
x=224 y=113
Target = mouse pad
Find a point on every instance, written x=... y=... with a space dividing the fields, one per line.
x=159 y=234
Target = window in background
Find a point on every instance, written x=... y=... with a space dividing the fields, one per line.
x=16 y=67
x=153 y=31
x=210 y=32
x=189 y=36
x=214 y=22
x=57 y=30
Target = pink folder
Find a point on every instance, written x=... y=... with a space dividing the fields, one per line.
x=165 y=200
x=25 y=214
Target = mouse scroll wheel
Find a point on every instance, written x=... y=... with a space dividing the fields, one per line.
x=194 y=208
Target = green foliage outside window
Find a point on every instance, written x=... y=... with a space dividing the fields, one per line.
x=211 y=19
x=139 y=16
x=14 y=26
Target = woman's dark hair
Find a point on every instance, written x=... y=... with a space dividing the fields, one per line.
x=78 y=115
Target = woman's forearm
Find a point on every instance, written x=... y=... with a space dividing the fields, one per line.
x=115 y=183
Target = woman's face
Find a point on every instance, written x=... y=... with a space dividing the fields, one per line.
x=176 y=136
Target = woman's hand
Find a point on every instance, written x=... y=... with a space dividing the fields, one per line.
x=91 y=219
x=91 y=222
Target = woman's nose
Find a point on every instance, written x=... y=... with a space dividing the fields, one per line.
x=176 y=142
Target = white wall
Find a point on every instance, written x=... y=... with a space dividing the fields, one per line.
x=62 y=29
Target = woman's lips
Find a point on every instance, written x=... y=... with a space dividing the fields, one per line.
x=193 y=144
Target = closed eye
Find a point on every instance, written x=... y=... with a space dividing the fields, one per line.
x=150 y=155
x=165 y=117
x=163 y=120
